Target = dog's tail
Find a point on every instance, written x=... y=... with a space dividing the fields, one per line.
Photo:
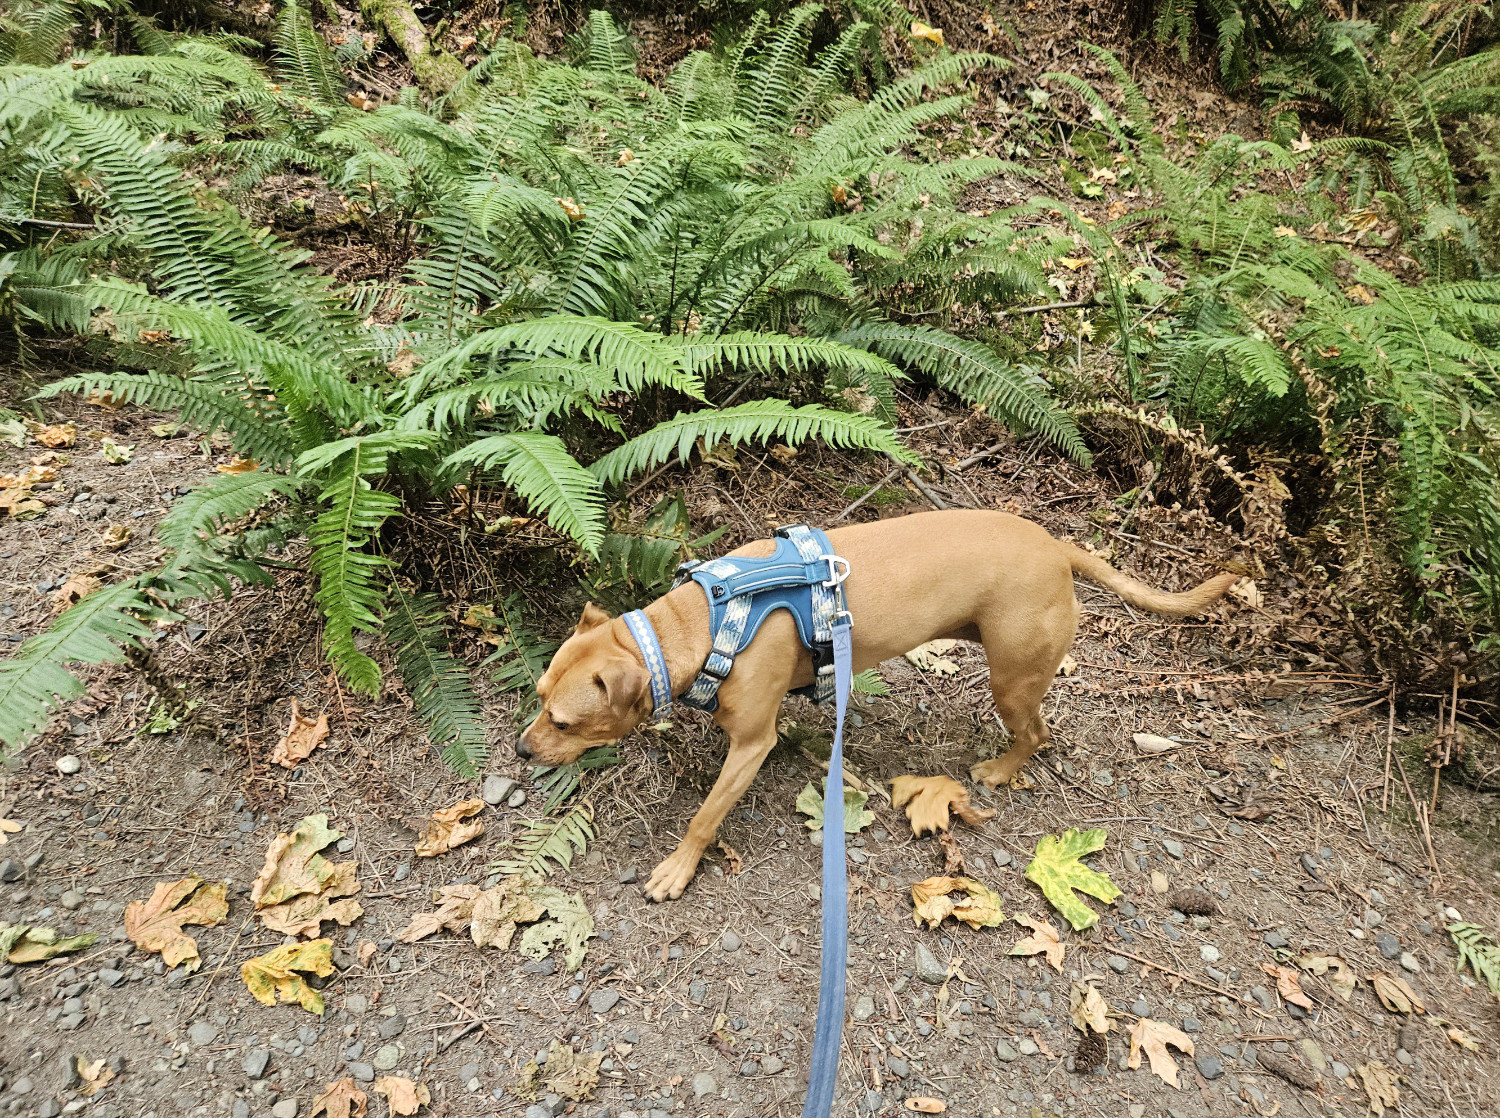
x=1190 y=603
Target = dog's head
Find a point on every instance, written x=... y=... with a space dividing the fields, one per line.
x=594 y=692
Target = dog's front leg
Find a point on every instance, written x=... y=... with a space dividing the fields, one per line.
x=746 y=752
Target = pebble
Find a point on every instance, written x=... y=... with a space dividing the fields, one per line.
x=286 y=1108
x=1192 y=1025
x=22 y=1086
x=1208 y=953
x=516 y=798
x=1373 y=919
x=70 y=899
x=390 y=1028
x=543 y=967
x=496 y=789
x=1340 y=1071
x=68 y=764
x=254 y=1064
x=241 y=1109
x=1210 y=1067
x=468 y=1073
x=697 y=991
x=864 y=1007
x=203 y=1032
x=403 y=871
x=628 y=876
x=704 y=1084
x=1388 y=945
x=1262 y=998
x=1174 y=848
x=362 y=1072
x=356 y=1003
x=897 y=1067
x=1313 y=1055
x=1158 y=882
x=1409 y=962
x=602 y=1001
x=928 y=968
x=1027 y=1047
x=1005 y=1053
x=771 y=1065
x=386 y=1057
x=111 y=977
x=730 y=942
x=1118 y=963
x=9 y=871
x=1141 y=1008
x=1002 y=857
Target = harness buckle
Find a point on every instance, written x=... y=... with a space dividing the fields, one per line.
x=835 y=577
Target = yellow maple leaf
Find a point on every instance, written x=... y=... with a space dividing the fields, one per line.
x=156 y=924
x=1073 y=263
x=1153 y=1037
x=978 y=907
x=447 y=828
x=928 y=800
x=276 y=974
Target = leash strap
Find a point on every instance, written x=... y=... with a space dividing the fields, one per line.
x=822 y=1076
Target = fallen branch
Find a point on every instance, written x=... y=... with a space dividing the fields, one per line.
x=435 y=70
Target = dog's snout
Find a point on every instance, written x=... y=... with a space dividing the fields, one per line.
x=522 y=749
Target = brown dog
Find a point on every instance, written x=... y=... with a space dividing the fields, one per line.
x=979 y=576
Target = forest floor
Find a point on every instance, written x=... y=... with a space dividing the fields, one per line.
x=704 y=1006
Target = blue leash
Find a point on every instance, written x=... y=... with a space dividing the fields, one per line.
x=822 y=1074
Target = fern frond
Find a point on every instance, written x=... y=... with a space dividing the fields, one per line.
x=758 y=422
x=437 y=681
x=540 y=469
x=521 y=657
x=545 y=845
x=557 y=783
x=1478 y=949
x=205 y=511
x=303 y=60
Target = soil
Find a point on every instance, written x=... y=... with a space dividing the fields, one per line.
x=704 y=1006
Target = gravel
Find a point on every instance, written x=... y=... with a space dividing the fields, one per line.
x=1388 y=945
x=202 y=1032
x=1005 y=1053
x=730 y=942
x=602 y=1001
x=386 y=1058
x=864 y=1007
x=286 y=1108
x=362 y=1072
x=68 y=764
x=928 y=968
x=704 y=1084
x=254 y=1063
x=1210 y=1067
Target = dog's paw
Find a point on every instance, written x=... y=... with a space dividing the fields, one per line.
x=671 y=876
x=992 y=774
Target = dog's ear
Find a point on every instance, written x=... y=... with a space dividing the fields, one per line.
x=592 y=618
x=624 y=684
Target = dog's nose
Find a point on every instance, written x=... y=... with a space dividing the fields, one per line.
x=522 y=749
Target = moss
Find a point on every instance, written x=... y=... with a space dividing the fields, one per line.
x=435 y=71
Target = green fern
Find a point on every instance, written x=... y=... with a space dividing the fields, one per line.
x=540 y=469
x=437 y=681
x=557 y=783
x=520 y=657
x=543 y=846
x=1478 y=949
x=303 y=60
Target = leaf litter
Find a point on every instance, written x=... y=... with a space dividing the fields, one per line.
x=493 y=917
x=572 y=1075
x=929 y=799
x=856 y=817
x=404 y=1096
x=156 y=923
x=977 y=905
x=1043 y=940
x=1153 y=1037
x=1341 y=977
x=297 y=888
x=1288 y=986
x=280 y=974
x=1395 y=994
x=1380 y=1086
x=1087 y=1008
x=1057 y=870
x=303 y=735
x=450 y=827
x=340 y=1099
x=22 y=943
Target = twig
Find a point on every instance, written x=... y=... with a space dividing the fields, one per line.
x=207 y=986
x=472 y=1026
x=1045 y=307
x=1390 y=741
x=1113 y=950
x=1330 y=720
x=867 y=494
x=1437 y=874
x=987 y=452
x=925 y=426
x=48 y=224
x=921 y=486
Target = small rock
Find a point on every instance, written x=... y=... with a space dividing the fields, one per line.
x=628 y=876
x=286 y=1108
x=1159 y=882
x=1027 y=1047
x=1208 y=953
x=864 y=1007
x=928 y=968
x=22 y=1086
x=1338 y=1070
x=730 y=942
x=203 y=1032
x=496 y=789
x=356 y=1004
x=897 y=1067
x=390 y=1028
x=1403 y=1056
x=111 y=977
x=254 y=1063
x=1192 y=1025
x=1262 y=998
x=1210 y=1067
x=70 y=899
x=1388 y=945
x=516 y=798
x=468 y=1073
x=1174 y=848
x=386 y=1057
x=48 y=1109
x=874 y=1100
x=749 y=1068
x=9 y=871
x=1118 y=963
x=403 y=871
x=68 y=764
x=704 y=1084
x=1141 y=1007
x=1002 y=857
x=697 y=991
x=602 y=1001
x=537 y=1110
x=240 y=1109
x=543 y=967
x=1313 y=1055
x=1005 y=1053
x=771 y=1065
x=1409 y=962
x=1033 y=1019
x=362 y=1072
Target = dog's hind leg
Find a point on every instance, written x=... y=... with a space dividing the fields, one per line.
x=1021 y=670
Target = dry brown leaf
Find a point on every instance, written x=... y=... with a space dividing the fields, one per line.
x=402 y=1095
x=1246 y=591
x=1043 y=940
x=240 y=466
x=920 y=30
x=304 y=915
x=447 y=829
x=73 y=591
x=1088 y=1009
x=733 y=863
x=1342 y=978
x=404 y=363
x=928 y=799
x=94 y=1076
x=340 y=1099
x=626 y=156
x=929 y=657
x=1395 y=994
x=9 y=827
x=156 y=924
x=924 y=1105
x=367 y=952
x=115 y=537
x=571 y=208
x=573 y=1075
x=293 y=865
x=63 y=434
x=953 y=857
x=1153 y=1037
x=978 y=907
x=1461 y=1038
x=497 y=911
x=1380 y=1086
x=303 y=735
x=1155 y=743
x=1287 y=985
x=455 y=908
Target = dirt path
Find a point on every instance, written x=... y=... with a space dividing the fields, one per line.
x=705 y=1006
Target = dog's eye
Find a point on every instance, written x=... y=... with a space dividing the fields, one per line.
x=556 y=725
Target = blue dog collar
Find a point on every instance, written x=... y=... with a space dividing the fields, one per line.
x=645 y=639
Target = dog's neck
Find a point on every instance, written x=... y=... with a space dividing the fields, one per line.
x=680 y=619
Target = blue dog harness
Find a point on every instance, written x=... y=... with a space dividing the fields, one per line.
x=805 y=577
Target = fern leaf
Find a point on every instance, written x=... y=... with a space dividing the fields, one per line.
x=557 y=783
x=758 y=421
x=541 y=470
x=303 y=60
x=545 y=845
x=1478 y=949
x=204 y=512
x=437 y=681
x=521 y=656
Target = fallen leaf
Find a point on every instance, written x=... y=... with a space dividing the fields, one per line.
x=73 y=591
x=953 y=857
x=1461 y=1038
x=303 y=735
x=1302 y=144
x=455 y=908
x=304 y=915
x=979 y=907
x=571 y=927
x=783 y=453
x=571 y=208
x=928 y=799
x=1284 y=231
x=1359 y=293
x=115 y=537
x=1043 y=940
x=733 y=862
x=1395 y=994
x=929 y=657
x=1153 y=743
x=1287 y=985
x=626 y=156
x=402 y=1095
x=1153 y=1037
x=293 y=865
x=20 y=943
x=1246 y=591
x=1341 y=979
x=116 y=454
x=1073 y=263
x=1380 y=1086
x=497 y=911
x=1057 y=870
x=276 y=973
x=93 y=1076
x=361 y=102
x=447 y=829
x=9 y=827
x=920 y=30
x=240 y=466
x=153 y=337
x=573 y=1075
x=342 y=1099
x=164 y=430
x=404 y=363
x=13 y=431
x=156 y=924
x=924 y=1105
x=367 y=952
x=1087 y=1008
x=63 y=434
x=838 y=193
x=856 y=818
